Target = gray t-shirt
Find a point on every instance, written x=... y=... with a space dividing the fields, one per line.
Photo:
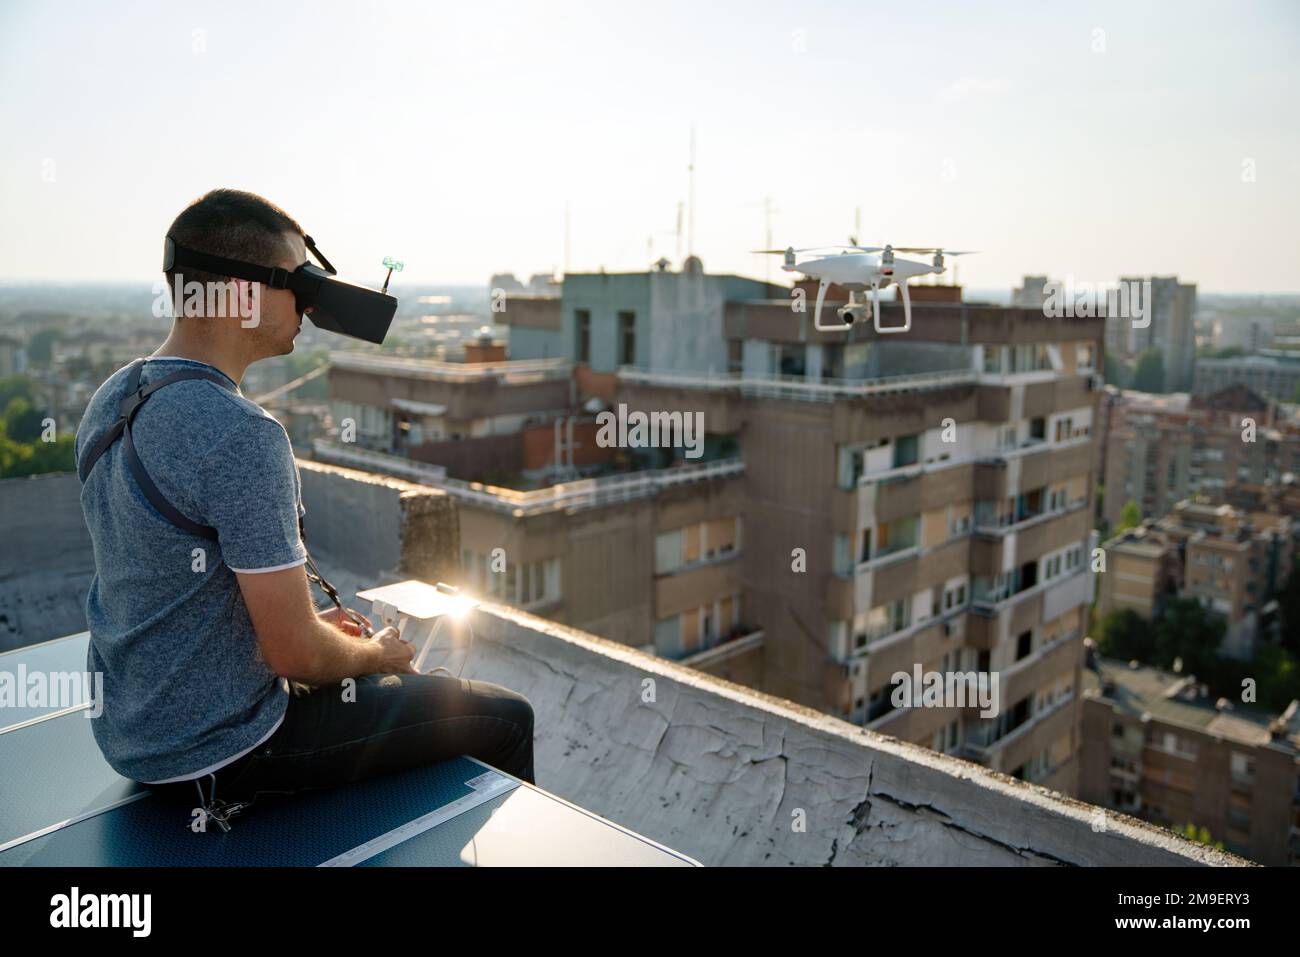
x=186 y=688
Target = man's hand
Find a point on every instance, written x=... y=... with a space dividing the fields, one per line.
x=340 y=620
x=302 y=644
x=396 y=652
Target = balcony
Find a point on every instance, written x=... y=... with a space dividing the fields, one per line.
x=797 y=388
x=509 y=372
x=583 y=493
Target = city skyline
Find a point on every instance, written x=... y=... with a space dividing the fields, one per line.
x=1070 y=144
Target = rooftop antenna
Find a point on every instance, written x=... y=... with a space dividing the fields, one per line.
x=690 y=222
x=768 y=210
x=566 y=237
x=679 y=230
x=857 y=227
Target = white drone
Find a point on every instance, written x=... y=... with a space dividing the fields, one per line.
x=858 y=268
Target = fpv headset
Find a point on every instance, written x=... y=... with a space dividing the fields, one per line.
x=336 y=306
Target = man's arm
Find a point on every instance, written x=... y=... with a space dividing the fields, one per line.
x=299 y=646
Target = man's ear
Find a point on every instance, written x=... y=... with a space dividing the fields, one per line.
x=246 y=294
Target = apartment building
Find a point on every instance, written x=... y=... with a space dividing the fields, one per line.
x=1155 y=746
x=1233 y=561
x=1160 y=450
x=1170 y=328
x=866 y=503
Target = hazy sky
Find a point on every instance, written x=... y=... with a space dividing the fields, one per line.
x=1079 y=139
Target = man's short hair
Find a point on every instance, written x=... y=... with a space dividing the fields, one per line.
x=232 y=224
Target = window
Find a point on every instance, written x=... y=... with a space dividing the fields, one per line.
x=954 y=597
x=842 y=555
x=1243 y=768
x=897 y=535
x=521 y=584
x=1051 y=567
x=850 y=467
x=1086 y=359
x=735 y=355
x=696 y=543
x=993 y=359
x=627 y=338
x=1024 y=645
x=582 y=324
x=907 y=450
x=883 y=621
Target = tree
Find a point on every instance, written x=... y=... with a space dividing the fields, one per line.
x=1150 y=373
x=1124 y=634
x=1288 y=608
x=20 y=459
x=1278 y=675
x=1188 y=631
x=21 y=420
x=1130 y=516
x=17 y=386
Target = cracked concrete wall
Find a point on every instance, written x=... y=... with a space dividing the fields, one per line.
x=726 y=774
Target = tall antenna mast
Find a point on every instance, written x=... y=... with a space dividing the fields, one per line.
x=690 y=172
x=768 y=209
x=679 y=232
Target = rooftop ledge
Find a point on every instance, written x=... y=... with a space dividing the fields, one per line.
x=722 y=772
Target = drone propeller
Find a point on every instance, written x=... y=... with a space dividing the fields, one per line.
x=809 y=249
x=933 y=249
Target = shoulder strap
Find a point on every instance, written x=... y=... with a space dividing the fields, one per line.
x=127 y=409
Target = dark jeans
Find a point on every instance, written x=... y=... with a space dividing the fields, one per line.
x=392 y=723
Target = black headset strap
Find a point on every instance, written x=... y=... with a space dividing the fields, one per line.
x=175 y=255
x=127 y=409
x=272 y=276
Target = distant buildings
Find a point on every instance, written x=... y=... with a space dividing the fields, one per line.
x=1171 y=329
x=1249 y=335
x=1031 y=294
x=13 y=358
x=1160 y=449
x=1233 y=562
x=1155 y=746
x=1274 y=374
x=1167 y=323
x=539 y=284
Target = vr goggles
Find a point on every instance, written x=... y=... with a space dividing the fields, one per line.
x=336 y=306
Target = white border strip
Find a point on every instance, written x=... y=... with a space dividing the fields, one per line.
x=73 y=820
x=499 y=784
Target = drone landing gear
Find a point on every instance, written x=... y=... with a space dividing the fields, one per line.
x=817 y=311
x=907 y=309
